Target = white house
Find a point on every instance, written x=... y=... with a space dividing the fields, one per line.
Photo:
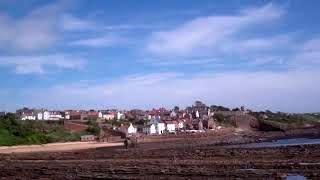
x=46 y=115
x=197 y=114
x=39 y=116
x=43 y=115
x=108 y=116
x=132 y=129
x=160 y=127
x=180 y=125
x=120 y=115
x=54 y=115
x=67 y=115
x=171 y=127
x=100 y=115
x=150 y=129
x=28 y=117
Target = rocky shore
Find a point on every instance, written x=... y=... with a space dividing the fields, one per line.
x=196 y=157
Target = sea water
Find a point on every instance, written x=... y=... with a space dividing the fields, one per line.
x=279 y=143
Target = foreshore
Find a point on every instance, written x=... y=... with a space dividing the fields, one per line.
x=193 y=156
x=54 y=147
x=229 y=136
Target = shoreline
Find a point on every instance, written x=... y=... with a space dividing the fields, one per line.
x=55 y=147
x=221 y=138
x=166 y=160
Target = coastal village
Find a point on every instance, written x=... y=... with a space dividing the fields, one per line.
x=194 y=142
x=197 y=142
x=198 y=118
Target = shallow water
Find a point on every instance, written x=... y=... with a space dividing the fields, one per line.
x=278 y=143
x=296 y=177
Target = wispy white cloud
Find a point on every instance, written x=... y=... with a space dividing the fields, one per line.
x=40 y=64
x=308 y=55
x=46 y=26
x=178 y=61
x=258 y=45
x=72 y=23
x=151 y=79
x=118 y=27
x=37 y=30
x=203 y=34
x=226 y=41
x=97 y=42
x=268 y=60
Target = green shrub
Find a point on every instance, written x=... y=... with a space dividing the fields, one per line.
x=93 y=128
x=15 y=132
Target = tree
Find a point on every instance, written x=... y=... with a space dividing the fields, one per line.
x=219 y=108
x=220 y=118
x=236 y=109
x=176 y=108
x=199 y=104
x=269 y=112
x=93 y=127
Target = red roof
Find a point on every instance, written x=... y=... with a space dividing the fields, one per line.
x=93 y=113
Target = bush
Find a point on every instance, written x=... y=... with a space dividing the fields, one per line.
x=15 y=132
x=93 y=128
x=37 y=138
x=225 y=120
x=6 y=138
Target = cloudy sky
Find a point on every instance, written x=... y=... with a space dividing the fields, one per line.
x=143 y=54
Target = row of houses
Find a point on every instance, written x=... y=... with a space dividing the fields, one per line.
x=34 y=114
x=111 y=114
x=157 y=126
x=196 y=117
x=199 y=110
x=155 y=121
x=150 y=129
x=43 y=114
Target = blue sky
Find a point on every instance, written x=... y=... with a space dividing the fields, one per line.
x=143 y=54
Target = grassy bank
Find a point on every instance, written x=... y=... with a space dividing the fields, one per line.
x=285 y=121
x=16 y=132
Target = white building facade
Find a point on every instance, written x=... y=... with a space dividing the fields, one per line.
x=180 y=125
x=46 y=115
x=108 y=116
x=40 y=116
x=53 y=116
x=120 y=115
x=28 y=117
x=150 y=129
x=171 y=127
x=132 y=129
x=160 y=128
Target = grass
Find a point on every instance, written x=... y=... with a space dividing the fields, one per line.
x=15 y=132
x=290 y=121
